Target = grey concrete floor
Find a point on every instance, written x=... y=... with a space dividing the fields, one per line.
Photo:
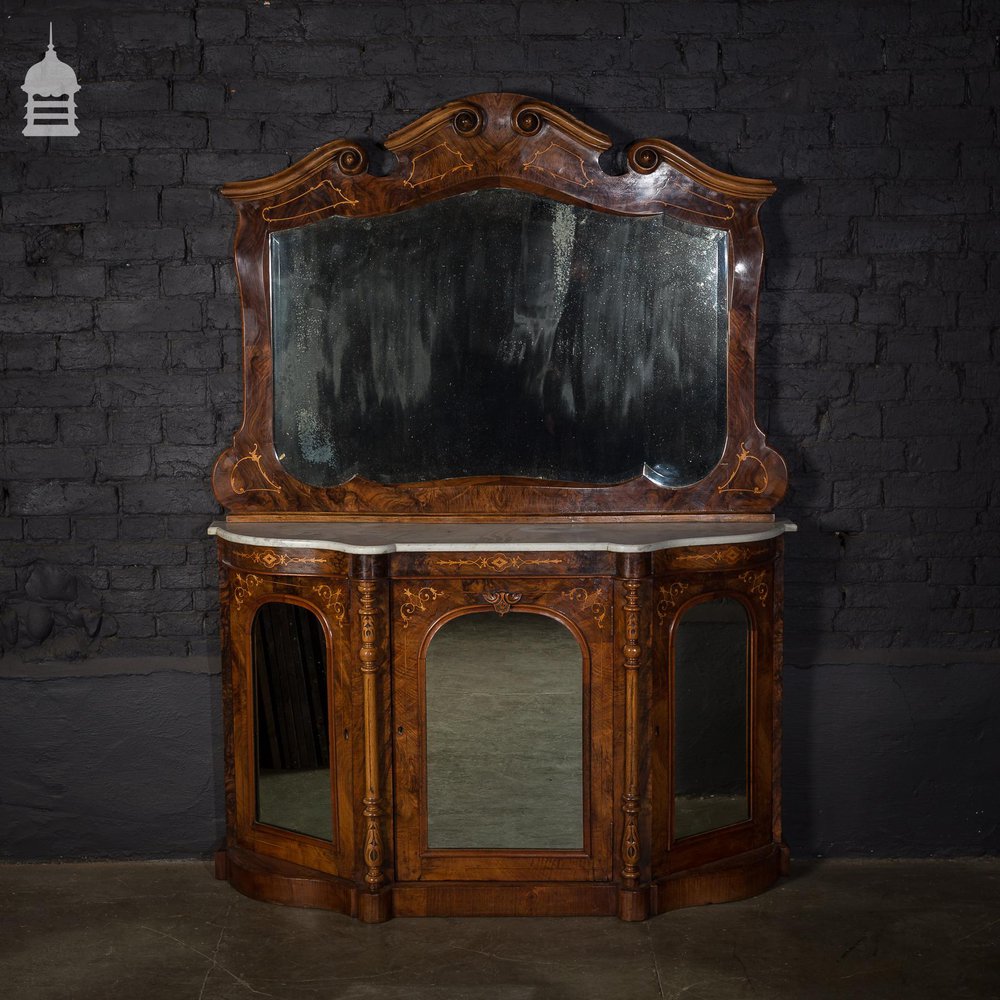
x=867 y=929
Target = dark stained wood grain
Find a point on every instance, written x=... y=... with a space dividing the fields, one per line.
x=500 y=899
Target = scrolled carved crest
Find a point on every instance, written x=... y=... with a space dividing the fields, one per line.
x=501 y=600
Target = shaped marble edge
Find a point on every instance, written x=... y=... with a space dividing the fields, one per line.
x=384 y=538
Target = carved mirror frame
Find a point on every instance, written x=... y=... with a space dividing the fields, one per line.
x=498 y=141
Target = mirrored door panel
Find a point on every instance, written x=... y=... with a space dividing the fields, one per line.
x=504 y=734
x=711 y=650
x=291 y=721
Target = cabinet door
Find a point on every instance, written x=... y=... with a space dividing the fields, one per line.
x=291 y=710
x=502 y=698
x=712 y=734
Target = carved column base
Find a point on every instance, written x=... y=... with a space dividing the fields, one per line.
x=633 y=904
x=375 y=907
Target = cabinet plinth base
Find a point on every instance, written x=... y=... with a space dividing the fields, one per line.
x=738 y=877
x=633 y=904
x=375 y=907
x=276 y=881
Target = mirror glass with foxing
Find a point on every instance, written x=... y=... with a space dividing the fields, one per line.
x=517 y=293
x=500 y=573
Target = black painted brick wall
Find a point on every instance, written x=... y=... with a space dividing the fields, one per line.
x=879 y=332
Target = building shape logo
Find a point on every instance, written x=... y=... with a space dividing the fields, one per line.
x=51 y=86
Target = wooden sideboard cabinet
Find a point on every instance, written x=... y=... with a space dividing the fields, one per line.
x=452 y=655
x=501 y=581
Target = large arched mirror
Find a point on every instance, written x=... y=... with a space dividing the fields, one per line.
x=291 y=720
x=711 y=658
x=505 y=734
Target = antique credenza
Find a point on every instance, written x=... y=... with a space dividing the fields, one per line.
x=501 y=584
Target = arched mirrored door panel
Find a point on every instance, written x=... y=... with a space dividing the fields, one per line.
x=505 y=734
x=291 y=720
x=711 y=648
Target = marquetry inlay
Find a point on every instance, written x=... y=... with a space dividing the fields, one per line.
x=333 y=602
x=594 y=601
x=416 y=601
x=246 y=587
x=499 y=562
x=669 y=596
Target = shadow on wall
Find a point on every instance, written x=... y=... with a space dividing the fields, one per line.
x=56 y=615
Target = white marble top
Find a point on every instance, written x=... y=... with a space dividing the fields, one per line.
x=376 y=538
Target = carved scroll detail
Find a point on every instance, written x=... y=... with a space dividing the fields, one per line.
x=350 y=159
x=757 y=584
x=527 y=121
x=595 y=602
x=467 y=118
x=469 y=121
x=416 y=602
x=669 y=596
x=498 y=562
x=334 y=199
x=501 y=601
x=373 y=850
x=630 y=848
x=255 y=458
x=332 y=602
x=644 y=159
x=647 y=155
x=530 y=117
x=246 y=587
x=743 y=455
